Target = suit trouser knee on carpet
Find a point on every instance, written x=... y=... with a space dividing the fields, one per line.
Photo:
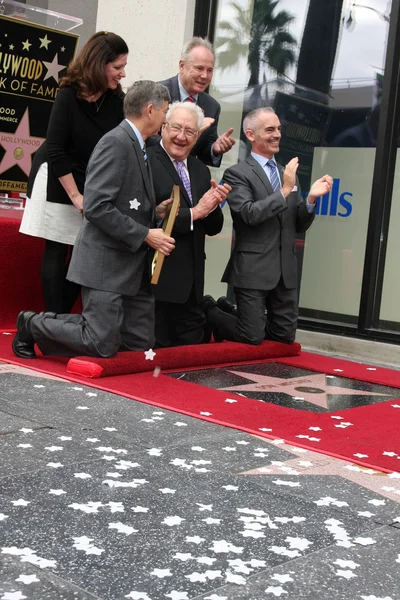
x=282 y=312
x=179 y=324
x=108 y=321
x=249 y=326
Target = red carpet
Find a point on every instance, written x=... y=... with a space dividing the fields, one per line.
x=368 y=435
x=20 y=259
x=204 y=355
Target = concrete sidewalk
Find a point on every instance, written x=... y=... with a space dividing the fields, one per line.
x=102 y=497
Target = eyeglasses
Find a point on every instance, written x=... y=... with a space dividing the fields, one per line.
x=178 y=129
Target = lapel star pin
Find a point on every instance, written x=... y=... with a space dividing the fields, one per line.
x=134 y=204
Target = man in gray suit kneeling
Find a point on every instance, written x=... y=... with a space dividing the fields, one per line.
x=267 y=211
x=111 y=258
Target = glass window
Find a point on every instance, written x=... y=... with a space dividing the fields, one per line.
x=320 y=66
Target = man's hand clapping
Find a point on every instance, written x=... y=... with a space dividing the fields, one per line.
x=319 y=188
x=210 y=200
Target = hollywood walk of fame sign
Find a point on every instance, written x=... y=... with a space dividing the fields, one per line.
x=33 y=58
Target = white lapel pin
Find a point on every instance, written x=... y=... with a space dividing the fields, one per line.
x=134 y=204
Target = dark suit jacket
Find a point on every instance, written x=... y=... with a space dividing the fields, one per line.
x=119 y=208
x=211 y=108
x=265 y=227
x=184 y=268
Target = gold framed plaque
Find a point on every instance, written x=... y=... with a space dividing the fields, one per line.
x=167 y=226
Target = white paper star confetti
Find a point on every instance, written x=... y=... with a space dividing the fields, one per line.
x=184 y=556
x=25 y=446
x=85 y=544
x=171 y=521
x=54 y=448
x=20 y=502
x=121 y=528
x=90 y=507
x=345 y=574
x=138 y=596
x=27 y=579
x=195 y=539
x=57 y=492
x=364 y=541
x=149 y=354
x=174 y=595
x=282 y=578
x=13 y=596
x=167 y=491
x=26 y=430
x=222 y=546
x=82 y=476
x=276 y=591
x=55 y=465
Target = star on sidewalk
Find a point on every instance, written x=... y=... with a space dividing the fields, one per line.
x=372 y=480
x=311 y=388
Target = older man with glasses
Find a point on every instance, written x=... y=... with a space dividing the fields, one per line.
x=179 y=317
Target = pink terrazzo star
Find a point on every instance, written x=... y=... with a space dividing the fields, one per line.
x=311 y=388
x=19 y=146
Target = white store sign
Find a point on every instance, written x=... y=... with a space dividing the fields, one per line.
x=334 y=250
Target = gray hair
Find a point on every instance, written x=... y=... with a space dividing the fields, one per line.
x=251 y=119
x=141 y=94
x=194 y=43
x=189 y=107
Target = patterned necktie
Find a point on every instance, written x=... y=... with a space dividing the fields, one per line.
x=144 y=155
x=180 y=167
x=190 y=99
x=274 y=177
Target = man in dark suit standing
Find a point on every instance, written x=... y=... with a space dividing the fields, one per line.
x=267 y=211
x=179 y=317
x=112 y=250
x=196 y=67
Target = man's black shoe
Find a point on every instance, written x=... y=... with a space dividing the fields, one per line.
x=227 y=306
x=23 y=343
x=207 y=303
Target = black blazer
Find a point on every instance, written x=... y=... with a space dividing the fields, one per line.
x=184 y=268
x=211 y=108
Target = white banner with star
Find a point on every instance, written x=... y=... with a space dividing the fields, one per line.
x=33 y=58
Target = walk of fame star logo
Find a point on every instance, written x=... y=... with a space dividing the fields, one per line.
x=19 y=146
x=314 y=389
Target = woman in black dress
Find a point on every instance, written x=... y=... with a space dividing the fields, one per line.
x=88 y=104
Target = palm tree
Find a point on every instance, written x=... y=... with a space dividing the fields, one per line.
x=318 y=48
x=260 y=35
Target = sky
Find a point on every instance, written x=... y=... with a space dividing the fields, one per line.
x=361 y=52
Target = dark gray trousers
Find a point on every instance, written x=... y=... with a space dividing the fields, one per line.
x=252 y=325
x=109 y=323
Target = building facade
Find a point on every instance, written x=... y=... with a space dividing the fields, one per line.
x=330 y=69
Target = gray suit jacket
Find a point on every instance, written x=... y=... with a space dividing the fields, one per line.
x=265 y=227
x=119 y=205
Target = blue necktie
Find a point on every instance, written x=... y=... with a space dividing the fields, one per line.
x=274 y=177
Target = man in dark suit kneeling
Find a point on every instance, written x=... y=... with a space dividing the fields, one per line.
x=267 y=211
x=111 y=259
x=179 y=317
